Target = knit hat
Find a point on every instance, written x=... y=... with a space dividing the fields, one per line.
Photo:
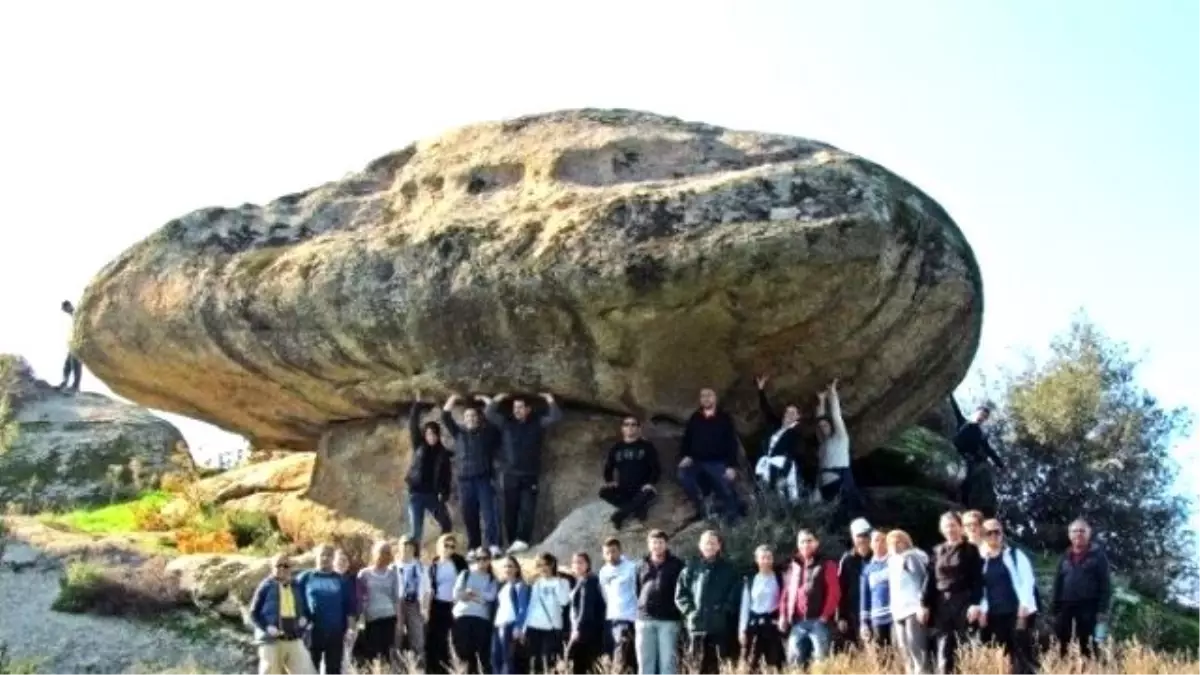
x=859 y=527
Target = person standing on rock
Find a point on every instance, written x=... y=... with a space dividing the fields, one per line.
x=475 y=444
x=836 y=479
x=521 y=440
x=444 y=571
x=978 y=488
x=280 y=616
x=708 y=595
x=709 y=448
x=656 y=633
x=72 y=365
x=778 y=466
x=635 y=462
x=428 y=477
x=330 y=600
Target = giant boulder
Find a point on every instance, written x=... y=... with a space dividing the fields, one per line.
x=620 y=259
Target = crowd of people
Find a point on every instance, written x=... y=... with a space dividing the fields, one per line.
x=643 y=615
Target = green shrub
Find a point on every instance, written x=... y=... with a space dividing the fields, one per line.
x=255 y=530
x=145 y=591
x=78 y=588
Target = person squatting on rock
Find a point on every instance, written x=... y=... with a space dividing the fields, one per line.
x=758 y=621
x=810 y=602
x=331 y=604
x=618 y=582
x=1009 y=607
x=444 y=570
x=709 y=448
x=475 y=444
x=72 y=365
x=779 y=464
x=874 y=593
x=475 y=591
x=1082 y=594
x=635 y=463
x=428 y=476
x=707 y=596
x=971 y=442
x=850 y=568
x=549 y=595
x=512 y=604
x=379 y=602
x=280 y=615
x=586 y=616
x=413 y=589
x=953 y=591
x=656 y=631
x=836 y=479
x=522 y=436
x=908 y=568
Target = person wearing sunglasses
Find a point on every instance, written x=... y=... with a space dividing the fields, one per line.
x=474 y=592
x=444 y=571
x=634 y=460
x=1009 y=598
x=1082 y=592
x=280 y=615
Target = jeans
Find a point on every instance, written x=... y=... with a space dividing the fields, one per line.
x=504 y=650
x=912 y=638
x=808 y=641
x=72 y=366
x=629 y=501
x=477 y=496
x=418 y=504
x=329 y=648
x=520 y=505
x=618 y=644
x=1076 y=620
x=715 y=471
x=656 y=643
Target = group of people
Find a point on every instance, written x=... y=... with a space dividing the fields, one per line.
x=642 y=614
x=490 y=444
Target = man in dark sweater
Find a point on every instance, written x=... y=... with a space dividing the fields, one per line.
x=428 y=477
x=475 y=443
x=710 y=448
x=971 y=442
x=635 y=462
x=849 y=577
x=521 y=438
x=1082 y=592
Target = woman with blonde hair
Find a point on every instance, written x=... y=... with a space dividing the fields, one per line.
x=379 y=603
x=908 y=568
x=443 y=576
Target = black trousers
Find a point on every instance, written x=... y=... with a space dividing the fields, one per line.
x=764 y=646
x=379 y=637
x=1076 y=620
x=707 y=651
x=949 y=627
x=1002 y=630
x=582 y=654
x=629 y=501
x=520 y=505
x=437 y=636
x=327 y=647
x=473 y=643
x=72 y=366
x=545 y=648
x=881 y=636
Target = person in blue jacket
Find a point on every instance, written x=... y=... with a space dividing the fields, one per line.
x=512 y=604
x=330 y=599
x=280 y=616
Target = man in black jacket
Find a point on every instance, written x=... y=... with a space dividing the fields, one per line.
x=521 y=438
x=1082 y=592
x=475 y=444
x=658 y=620
x=978 y=488
x=428 y=477
x=849 y=575
x=635 y=462
x=710 y=448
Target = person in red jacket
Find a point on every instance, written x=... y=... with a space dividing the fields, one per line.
x=810 y=601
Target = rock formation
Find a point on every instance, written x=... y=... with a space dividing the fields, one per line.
x=619 y=259
x=79 y=448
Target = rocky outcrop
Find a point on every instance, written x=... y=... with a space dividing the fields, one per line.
x=620 y=259
x=225 y=583
x=80 y=448
x=916 y=457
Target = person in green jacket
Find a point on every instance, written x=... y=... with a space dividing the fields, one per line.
x=708 y=595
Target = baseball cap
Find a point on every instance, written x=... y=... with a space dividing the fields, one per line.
x=859 y=527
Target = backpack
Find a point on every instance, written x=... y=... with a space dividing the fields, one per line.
x=1037 y=594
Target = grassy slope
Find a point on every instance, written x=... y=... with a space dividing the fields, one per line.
x=113 y=519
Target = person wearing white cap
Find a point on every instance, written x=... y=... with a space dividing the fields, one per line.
x=849 y=574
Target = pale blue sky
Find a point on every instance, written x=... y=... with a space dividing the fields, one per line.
x=1062 y=136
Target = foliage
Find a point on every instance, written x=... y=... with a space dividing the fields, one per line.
x=8 y=425
x=196 y=541
x=255 y=530
x=1083 y=439
x=143 y=591
x=115 y=518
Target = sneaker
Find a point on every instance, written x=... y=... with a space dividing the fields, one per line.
x=616 y=520
x=518 y=546
x=496 y=551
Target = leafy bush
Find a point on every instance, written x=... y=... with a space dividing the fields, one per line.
x=140 y=591
x=195 y=541
x=254 y=529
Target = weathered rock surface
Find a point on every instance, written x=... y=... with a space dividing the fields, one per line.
x=620 y=259
x=225 y=583
x=70 y=448
x=290 y=473
x=915 y=457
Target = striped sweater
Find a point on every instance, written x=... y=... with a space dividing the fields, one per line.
x=874 y=601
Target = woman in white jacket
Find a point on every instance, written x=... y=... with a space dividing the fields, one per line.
x=1009 y=606
x=907 y=568
x=543 y=629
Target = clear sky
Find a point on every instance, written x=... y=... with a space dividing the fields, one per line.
x=1062 y=136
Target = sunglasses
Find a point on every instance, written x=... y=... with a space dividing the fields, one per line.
x=283 y=568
